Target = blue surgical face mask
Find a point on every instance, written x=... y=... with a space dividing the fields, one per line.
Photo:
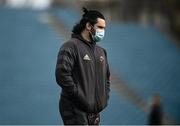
x=98 y=35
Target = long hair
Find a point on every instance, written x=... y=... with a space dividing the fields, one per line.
x=88 y=16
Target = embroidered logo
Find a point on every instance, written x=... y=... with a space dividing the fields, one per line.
x=101 y=58
x=86 y=57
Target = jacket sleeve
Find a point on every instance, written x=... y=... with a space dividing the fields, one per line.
x=108 y=81
x=65 y=64
x=107 y=77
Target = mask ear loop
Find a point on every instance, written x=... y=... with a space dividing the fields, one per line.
x=92 y=32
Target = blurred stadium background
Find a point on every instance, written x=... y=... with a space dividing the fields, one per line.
x=143 y=45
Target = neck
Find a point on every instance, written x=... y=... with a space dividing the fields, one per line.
x=85 y=36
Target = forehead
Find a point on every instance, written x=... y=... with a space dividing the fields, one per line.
x=101 y=22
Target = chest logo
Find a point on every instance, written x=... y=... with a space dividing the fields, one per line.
x=86 y=57
x=101 y=58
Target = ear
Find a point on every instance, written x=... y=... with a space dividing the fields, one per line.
x=88 y=26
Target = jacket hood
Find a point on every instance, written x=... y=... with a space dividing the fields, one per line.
x=83 y=40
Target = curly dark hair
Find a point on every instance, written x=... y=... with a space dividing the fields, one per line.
x=88 y=16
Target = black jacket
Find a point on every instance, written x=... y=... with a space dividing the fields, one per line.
x=82 y=71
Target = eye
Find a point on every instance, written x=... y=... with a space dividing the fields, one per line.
x=101 y=27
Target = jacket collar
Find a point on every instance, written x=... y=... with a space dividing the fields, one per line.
x=83 y=40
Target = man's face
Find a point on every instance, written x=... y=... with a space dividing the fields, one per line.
x=96 y=32
x=101 y=24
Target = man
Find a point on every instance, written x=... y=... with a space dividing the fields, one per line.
x=156 y=111
x=82 y=72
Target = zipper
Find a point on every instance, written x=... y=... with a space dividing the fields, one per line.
x=96 y=85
